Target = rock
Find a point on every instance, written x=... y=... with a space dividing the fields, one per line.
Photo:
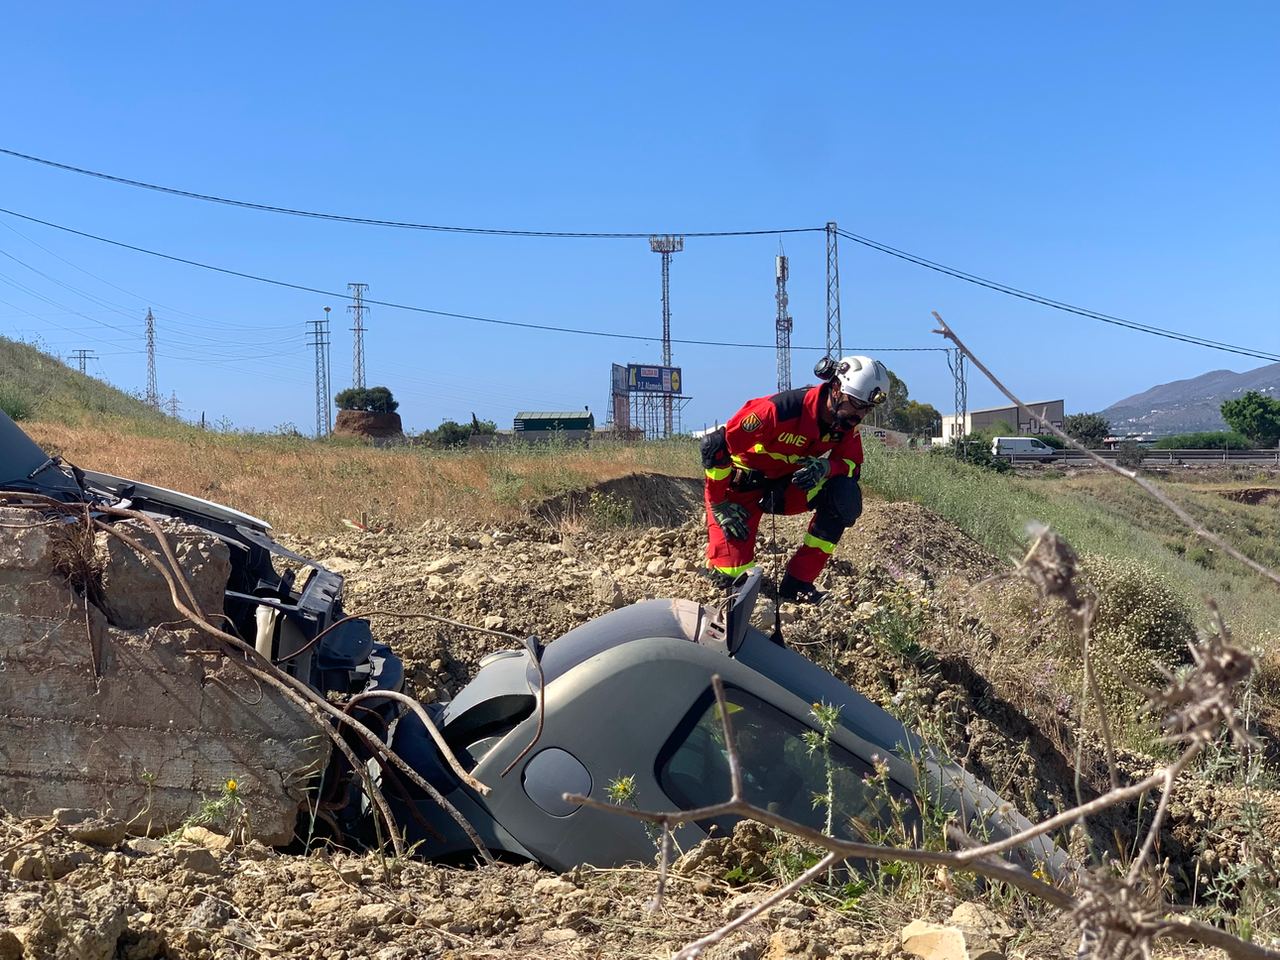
x=10 y=946
x=977 y=917
x=605 y=590
x=197 y=859
x=680 y=565
x=935 y=941
x=659 y=567
x=93 y=830
x=72 y=927
x=146 y=846
x=553 y=886
x=560 y=935
x=793 y=945
x=375 y=915
x=202 y=836
x=443 y=565
x=495 y=622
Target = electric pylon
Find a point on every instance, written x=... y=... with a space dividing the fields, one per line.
x=172 y=405
x=958 y=429
x=783 y=327
x=357 y=308
x=81 y=356
x=835 y=343
x=153 y=392
x=319 y=331
x=666 y=245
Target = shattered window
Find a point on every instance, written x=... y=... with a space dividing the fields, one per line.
x=781 y=773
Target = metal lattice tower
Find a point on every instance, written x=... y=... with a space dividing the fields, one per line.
x=835 y=344
x=319 y=332
x=357 y=308
x=783 y=327
x=172 y=406
x=956 y=366
x=666 y=245
x=152 y=397
x=81 y=356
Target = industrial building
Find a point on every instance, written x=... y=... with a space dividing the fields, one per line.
x=1048 y=411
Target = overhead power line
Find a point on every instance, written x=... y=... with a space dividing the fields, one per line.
x=1057 y=304
x=399 y=224
x=427 y=310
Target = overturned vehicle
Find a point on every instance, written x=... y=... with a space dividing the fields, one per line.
x=145 y=721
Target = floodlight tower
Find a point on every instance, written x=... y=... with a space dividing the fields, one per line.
x=783 y=327
x=666 y=245
x=153 y=392
x=835 y=345
x=357 y=308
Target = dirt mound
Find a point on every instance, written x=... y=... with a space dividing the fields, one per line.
x=1251 y=495
x=638 y=498
x=372 y=426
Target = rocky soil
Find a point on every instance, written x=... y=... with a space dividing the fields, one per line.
x=919 y=620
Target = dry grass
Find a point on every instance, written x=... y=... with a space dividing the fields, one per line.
x=307 y=487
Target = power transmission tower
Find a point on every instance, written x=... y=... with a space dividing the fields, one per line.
x=320 y=340
x=172 y=405
x=835 y=344
x=81 y=356
x=958 y=429
x=666 y=245
x=357 y=308
x=153 y=392
x=783 y=327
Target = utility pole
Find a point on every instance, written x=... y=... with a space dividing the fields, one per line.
x=962 y=400
x=666 y=245
x=783 y=326
x=357 y=309
x=153 y=392
x=835 y=345
x=81 y=356
x=319 y=332
x=172 y=405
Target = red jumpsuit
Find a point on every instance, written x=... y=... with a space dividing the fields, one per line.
x=751 y=463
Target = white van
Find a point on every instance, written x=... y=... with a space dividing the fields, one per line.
x=1022 y=448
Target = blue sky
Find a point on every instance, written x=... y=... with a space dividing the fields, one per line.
x=1118 y=156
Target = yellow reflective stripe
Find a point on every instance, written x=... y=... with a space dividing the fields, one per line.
x=826 y=546
x=718 y=473
x=734 y=571
x=810 y=494
x=785 y=457
x=739 y=462
x=853 y=467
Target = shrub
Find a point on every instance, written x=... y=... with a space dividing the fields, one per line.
x=1088 y=428
x=15 y=403
x=1141 y=625
x=1130 y=454
x=368 y=399
x=1205 y=440
x=976 y=449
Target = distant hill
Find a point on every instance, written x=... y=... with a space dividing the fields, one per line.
x=47 y=389
x=1183 y=406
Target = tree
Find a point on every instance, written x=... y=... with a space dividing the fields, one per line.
x=1255 y=415
x=1089 y=428
x=368 y=399
x=917 y=419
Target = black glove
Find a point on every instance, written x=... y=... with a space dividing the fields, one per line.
x=732 y=518
x=812 y=473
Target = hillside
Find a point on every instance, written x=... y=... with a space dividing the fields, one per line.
x=34 y=385
x=1189 y=405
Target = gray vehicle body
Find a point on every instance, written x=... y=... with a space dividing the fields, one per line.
x=618 y=693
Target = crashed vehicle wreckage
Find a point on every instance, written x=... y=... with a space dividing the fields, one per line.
x=628 y=694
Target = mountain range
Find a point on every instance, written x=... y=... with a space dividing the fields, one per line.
x=1183 y=406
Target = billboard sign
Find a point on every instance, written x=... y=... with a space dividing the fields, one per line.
x=646 y=379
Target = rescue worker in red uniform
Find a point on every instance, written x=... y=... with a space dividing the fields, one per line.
x=790 y=453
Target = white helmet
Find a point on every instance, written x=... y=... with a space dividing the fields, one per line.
x=863 y=379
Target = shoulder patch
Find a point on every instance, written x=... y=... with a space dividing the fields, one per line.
x=750 y=423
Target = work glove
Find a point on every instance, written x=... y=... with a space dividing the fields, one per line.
x=812 y=473
x=732 y=518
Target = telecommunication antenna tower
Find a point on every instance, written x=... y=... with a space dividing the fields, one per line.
x=835 y=344
x=666 y=245
x=319 y=331
x=357 y=308
x=81 y=356
x=153 y=392
x=783 y=327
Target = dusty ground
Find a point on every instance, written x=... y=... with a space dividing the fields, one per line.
x=915 y=622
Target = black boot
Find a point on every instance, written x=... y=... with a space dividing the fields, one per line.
x=797 y=591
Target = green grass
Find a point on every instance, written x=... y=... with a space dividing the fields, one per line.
x=41 y=387
x=1101 y=514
